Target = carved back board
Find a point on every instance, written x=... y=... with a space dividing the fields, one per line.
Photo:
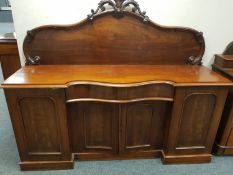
x=123 y=35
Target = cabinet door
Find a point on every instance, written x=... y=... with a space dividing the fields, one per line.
x=40 y=124
x=93 y=127
x=142 y=126
x=195 y=119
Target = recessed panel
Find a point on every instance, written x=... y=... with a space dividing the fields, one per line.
x=98 y=126
x=40 y=124
x=144 y=125
x=93 y=127
x=138 y=125
x=195 y=120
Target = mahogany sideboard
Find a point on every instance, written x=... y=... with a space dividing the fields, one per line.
x=114 y=86
x=223 y=64
x=9 y=57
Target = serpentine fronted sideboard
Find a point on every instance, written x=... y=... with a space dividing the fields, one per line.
x=114 y=86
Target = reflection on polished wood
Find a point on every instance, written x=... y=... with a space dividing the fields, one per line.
x=114 y=112
x=114 y=86
x=121 y=75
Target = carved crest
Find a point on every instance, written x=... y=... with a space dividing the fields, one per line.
x=118 y=6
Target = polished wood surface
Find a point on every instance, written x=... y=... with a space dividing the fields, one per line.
x=159 y=91
x=109 y=40
x=9 y=57
x=223 y=61
x=40 y=126
x=223 y=64
x=121 y=75
x=144 y=112
x=194 y=122
x=114 y=86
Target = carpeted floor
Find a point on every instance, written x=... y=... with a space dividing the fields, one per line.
x=9 y=160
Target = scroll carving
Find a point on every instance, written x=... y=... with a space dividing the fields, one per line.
x=199 y=37
x=197 y=60
x=118 y=6
x=30 y=35
x=192 y=60
x=33 y=60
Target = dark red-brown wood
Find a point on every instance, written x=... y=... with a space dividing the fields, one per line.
x=120 y=75
x=83 y=113
x=9 y=57
x=223 y=64
x=109 y=40
x=114 y=86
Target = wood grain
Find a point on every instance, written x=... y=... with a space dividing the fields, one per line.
x=114 y=75
x=9 y=57
x=109 y=40
x=114 y=86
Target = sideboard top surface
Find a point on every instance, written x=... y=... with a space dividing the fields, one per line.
x=118 y=75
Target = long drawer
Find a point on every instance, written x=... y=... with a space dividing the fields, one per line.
x=159 y=91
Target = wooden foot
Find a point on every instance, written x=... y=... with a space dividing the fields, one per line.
x=186 y=159
x=47 y=165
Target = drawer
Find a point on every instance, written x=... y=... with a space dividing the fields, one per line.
x=133 y=92
x=147 y=91
x=91 y=91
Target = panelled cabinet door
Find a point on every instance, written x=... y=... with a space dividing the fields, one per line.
x=195 y=118
x=142 y=126
x=94 y=127
x=40 y=123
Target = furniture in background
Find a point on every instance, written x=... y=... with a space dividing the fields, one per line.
x=114 y=86
x=223 y=64
x=9 y=57
x=5 y=11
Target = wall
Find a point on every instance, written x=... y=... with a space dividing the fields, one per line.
x=212 y=17
x=6 y=27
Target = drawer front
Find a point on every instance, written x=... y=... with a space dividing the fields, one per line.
x=148 y=91
x=87 y=92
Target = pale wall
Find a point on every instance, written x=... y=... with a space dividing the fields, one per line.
x=212 y=17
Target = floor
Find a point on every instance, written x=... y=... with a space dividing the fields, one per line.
x=9 y=160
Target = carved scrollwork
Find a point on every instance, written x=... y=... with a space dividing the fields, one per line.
x=199 y=37
x=33 y=60
x=192 y=60
x=197 y=60
x=30 y=35
x=118 y=6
